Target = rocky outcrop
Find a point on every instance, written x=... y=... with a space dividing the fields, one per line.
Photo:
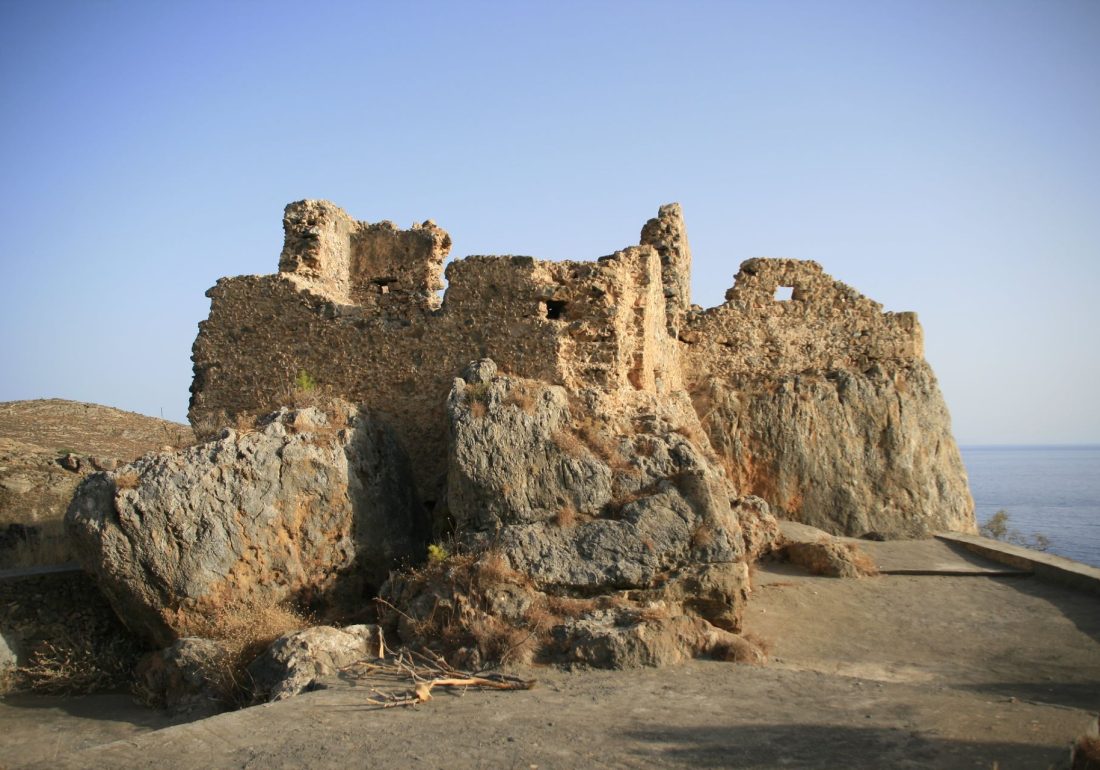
x=823 y=405
x=846 y=451
x=584 y=515
x=311 y=506
x=184 y=678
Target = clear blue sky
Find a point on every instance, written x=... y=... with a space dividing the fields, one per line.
x=942 y=157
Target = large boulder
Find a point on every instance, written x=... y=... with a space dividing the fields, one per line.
x=592 y=527
x=312 y=506
x=188 y=677
x=574 y=500
x=847 y=451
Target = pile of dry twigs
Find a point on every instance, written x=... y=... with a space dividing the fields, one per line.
x=406 y=677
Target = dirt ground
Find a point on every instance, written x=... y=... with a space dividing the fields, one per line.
x=940 y=671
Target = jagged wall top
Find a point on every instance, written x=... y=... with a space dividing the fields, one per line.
x=356 y=306
x=352 y=262
x=823 y=325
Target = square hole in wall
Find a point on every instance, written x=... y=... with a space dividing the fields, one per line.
x=784 y=293
x=555 y=309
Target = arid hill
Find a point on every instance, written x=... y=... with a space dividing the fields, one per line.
x=47 y=446
x=60 y=426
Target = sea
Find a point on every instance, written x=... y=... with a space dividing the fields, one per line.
x=1049 y=490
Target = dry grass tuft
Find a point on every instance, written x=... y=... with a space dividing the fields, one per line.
x=71 y=666
x=690 y=433
x=478 y=409
x=521 y=398
x=570 y=606
x=614 y=509
x=493 y=569
x=126 y=480
x=244 y=630
x=657 y=613
x=244 y=423
x=566 y=516
x=449 y=605
x=596 y=438
x=497 y=640
x=567 y=442
x=703 y=536
x=477 y=392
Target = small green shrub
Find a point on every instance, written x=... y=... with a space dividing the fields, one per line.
x=437 y=554
x=997 y=528
x=304 y=382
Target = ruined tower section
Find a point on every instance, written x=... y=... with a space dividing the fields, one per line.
x=667 y=233
x=823 y=404
x=815 y=399
x=370 y=265
x=355 y=307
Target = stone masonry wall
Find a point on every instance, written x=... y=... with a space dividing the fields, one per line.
x=823 y=405
x=577 y=324
x=356 y=307
x=824 y=325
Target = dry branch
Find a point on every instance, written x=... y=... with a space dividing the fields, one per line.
x=407 y=677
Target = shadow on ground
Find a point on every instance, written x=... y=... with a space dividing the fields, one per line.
x=828 y=746
x=1079 y=607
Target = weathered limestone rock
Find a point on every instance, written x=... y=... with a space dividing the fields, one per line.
x=312 y=507
x=823 y=405
x=594 y=516
x=521 y=466
x=293 y=662
x=184 y=678
x=849 y=452
x=668 y=234
x=595 y=528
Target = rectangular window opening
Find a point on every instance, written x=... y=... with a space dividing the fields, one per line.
x=784 y=293
x=555 y=309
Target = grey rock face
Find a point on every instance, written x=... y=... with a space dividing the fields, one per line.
x=515 y=467
x=848 y=452
x=183 y=677
x=294 y=661
x=559 y=511
x=311 y=507
x=606 y=639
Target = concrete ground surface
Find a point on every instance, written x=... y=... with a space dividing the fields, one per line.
x=896 y=671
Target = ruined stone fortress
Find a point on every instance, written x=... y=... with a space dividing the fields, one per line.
x=822 y=404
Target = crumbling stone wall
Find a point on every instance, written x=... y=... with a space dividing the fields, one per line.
x=356 y=307
x=823 y=405
x=824 y=325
